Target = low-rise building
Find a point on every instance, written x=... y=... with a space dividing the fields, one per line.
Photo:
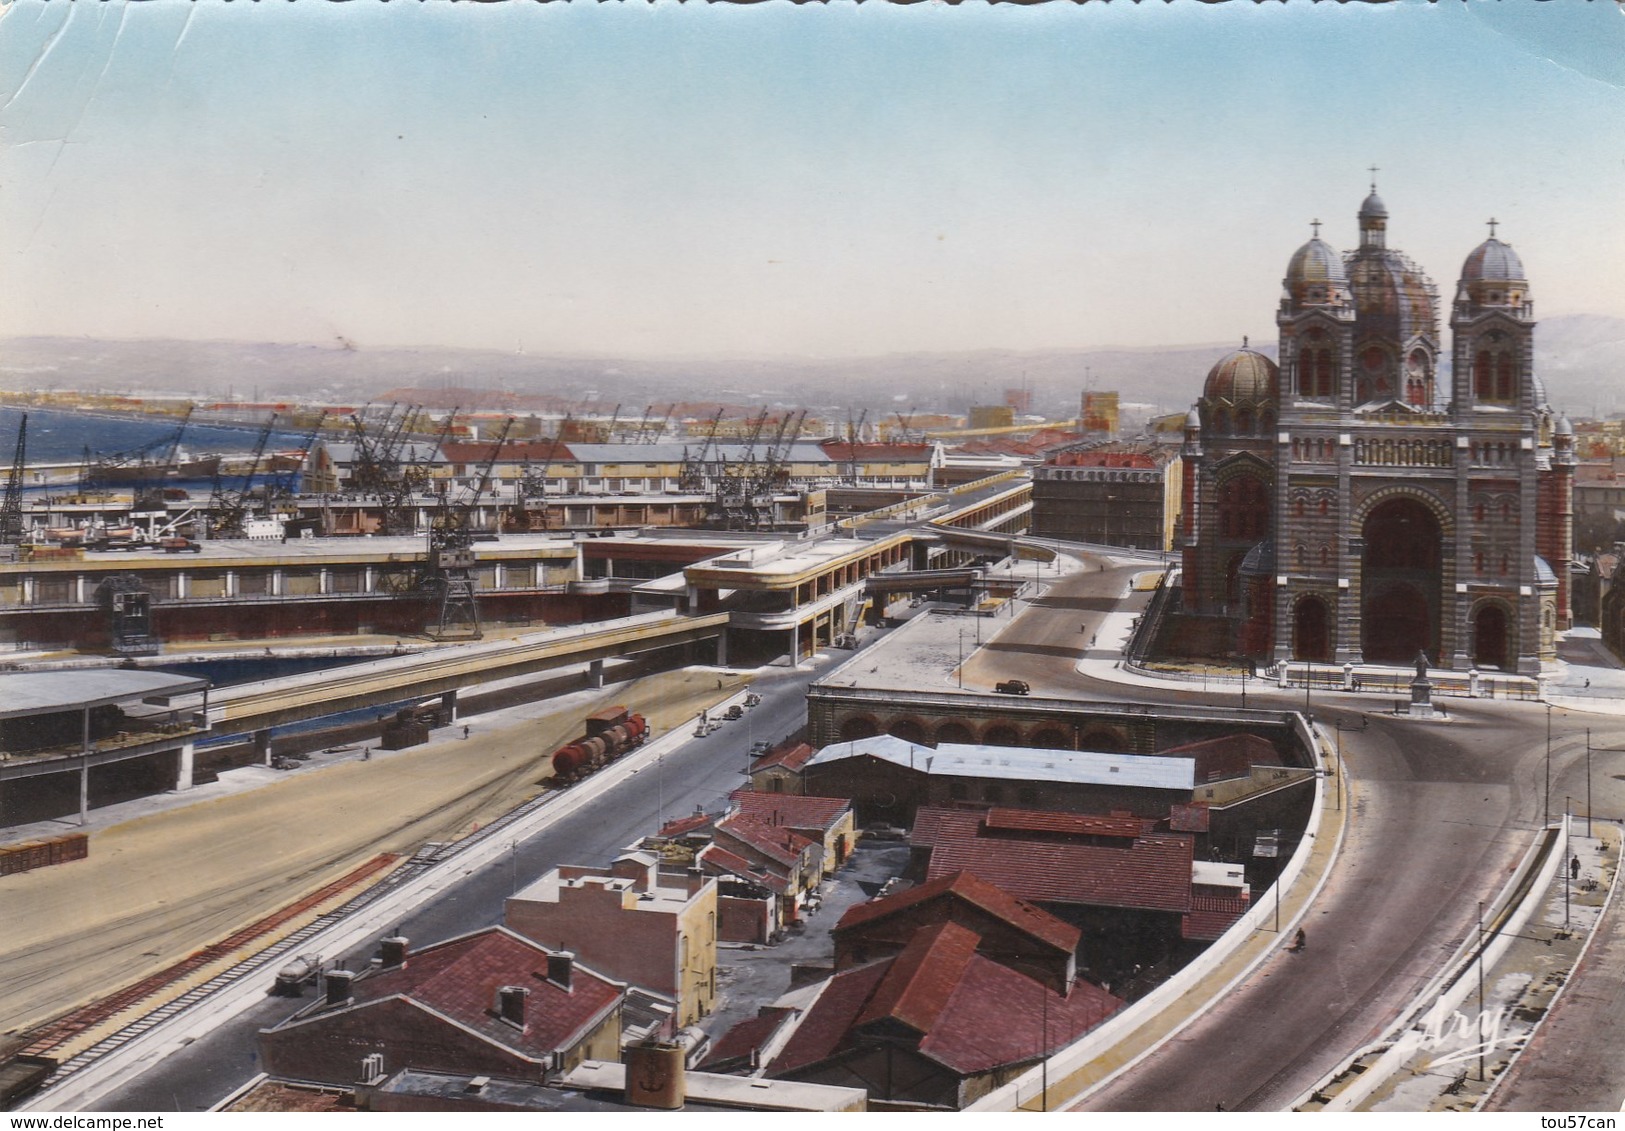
x=636 y=922
x=826 y=820
x=936 y=1026
x=1011 y=931
x=1133 y=888
x=487 y=1003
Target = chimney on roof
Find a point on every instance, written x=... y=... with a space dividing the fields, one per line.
x=511 y=1004
x=561 y=968
x=394 y=950
x=338 y=986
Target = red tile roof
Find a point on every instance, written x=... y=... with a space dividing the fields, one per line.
x=999 y=904
x=1150 y=872
x=790 y=810
x=973 y=1015
x=684 y=825
x=1211 y=916
x=536 y=451
x=739 y=1042
x=459 y=979
x=722 y=862
x=1071 y=824
x=778 y=843
x=922 y=978
x=789 y=758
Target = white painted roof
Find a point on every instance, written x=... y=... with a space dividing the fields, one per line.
x=1083 y=767
x=41 y=693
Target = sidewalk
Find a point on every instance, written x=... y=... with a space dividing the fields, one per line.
x=1467 y=1030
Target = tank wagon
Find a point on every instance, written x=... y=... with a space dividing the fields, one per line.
x=610 y=733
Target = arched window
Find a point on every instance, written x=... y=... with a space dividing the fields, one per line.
x=1503 y=377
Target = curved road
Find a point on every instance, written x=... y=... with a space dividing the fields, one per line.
x=1439 y=814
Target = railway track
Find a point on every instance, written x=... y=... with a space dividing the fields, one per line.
x=264 y=963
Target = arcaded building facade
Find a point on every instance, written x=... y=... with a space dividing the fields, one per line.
x=1355 y=505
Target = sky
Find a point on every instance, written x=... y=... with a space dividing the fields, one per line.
x=826 y=180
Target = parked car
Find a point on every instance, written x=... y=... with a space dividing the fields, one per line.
x=1012 y=687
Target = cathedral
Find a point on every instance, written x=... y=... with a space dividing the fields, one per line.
x=1371 y=498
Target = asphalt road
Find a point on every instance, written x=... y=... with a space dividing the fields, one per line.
x=1440 y=813
x=701 y=772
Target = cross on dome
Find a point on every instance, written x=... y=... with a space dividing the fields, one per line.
x=1373 y=178
x=1492 y=222
x=1315 y=224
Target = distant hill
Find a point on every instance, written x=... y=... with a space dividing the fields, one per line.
x=1582 y=358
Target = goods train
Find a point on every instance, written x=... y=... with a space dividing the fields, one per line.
x=610 y=733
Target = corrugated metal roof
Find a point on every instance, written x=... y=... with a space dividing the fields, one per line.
x=1084 y=767
x=41 y=693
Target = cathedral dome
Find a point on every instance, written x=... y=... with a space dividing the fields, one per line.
x=1245 y=376
x=1493 y=261
x=1393 y=297
x=1315 y=262
x=1315 y=276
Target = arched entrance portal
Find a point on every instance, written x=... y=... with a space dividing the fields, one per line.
x=1401 y=575
x=1310 y=639
x=1490 y=637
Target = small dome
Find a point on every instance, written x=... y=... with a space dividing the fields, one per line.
x=1315 y=262
x=1245 y=375
x=1373 y=208
x=1493 y=262
x=1564 y=428
x=1193 y=419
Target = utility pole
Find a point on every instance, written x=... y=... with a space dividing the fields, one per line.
x=1546 y=815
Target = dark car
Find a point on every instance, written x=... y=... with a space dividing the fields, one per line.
x=1012 y=687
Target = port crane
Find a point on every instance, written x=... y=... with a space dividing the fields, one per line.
x=691 y=480
x=11 y=508
x=449 y=574
x=231 y=507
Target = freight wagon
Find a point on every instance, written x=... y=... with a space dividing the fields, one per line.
x=610 y=733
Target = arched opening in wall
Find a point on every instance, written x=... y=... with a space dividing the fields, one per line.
x=1396 y=624
x=1102 y=740
x=955 y=732
x=1490 y=637
x=1402 y=576
x=858 y=726
x=1311 y=630
x=1001 y=734
x=909 y=730
x=1051 y=738
x=1232 y=581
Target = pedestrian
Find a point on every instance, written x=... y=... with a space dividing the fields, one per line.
x=1588 y=685
x=1574 y=868
x=1299 y=940
x=465 y=732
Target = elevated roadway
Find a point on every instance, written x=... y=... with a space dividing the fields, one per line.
x=1438 y=813
x=277 y=702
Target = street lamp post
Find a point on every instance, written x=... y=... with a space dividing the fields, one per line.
x=961 y=669
x=1546 y=814
x=1337 y=770
x=1568 y=854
